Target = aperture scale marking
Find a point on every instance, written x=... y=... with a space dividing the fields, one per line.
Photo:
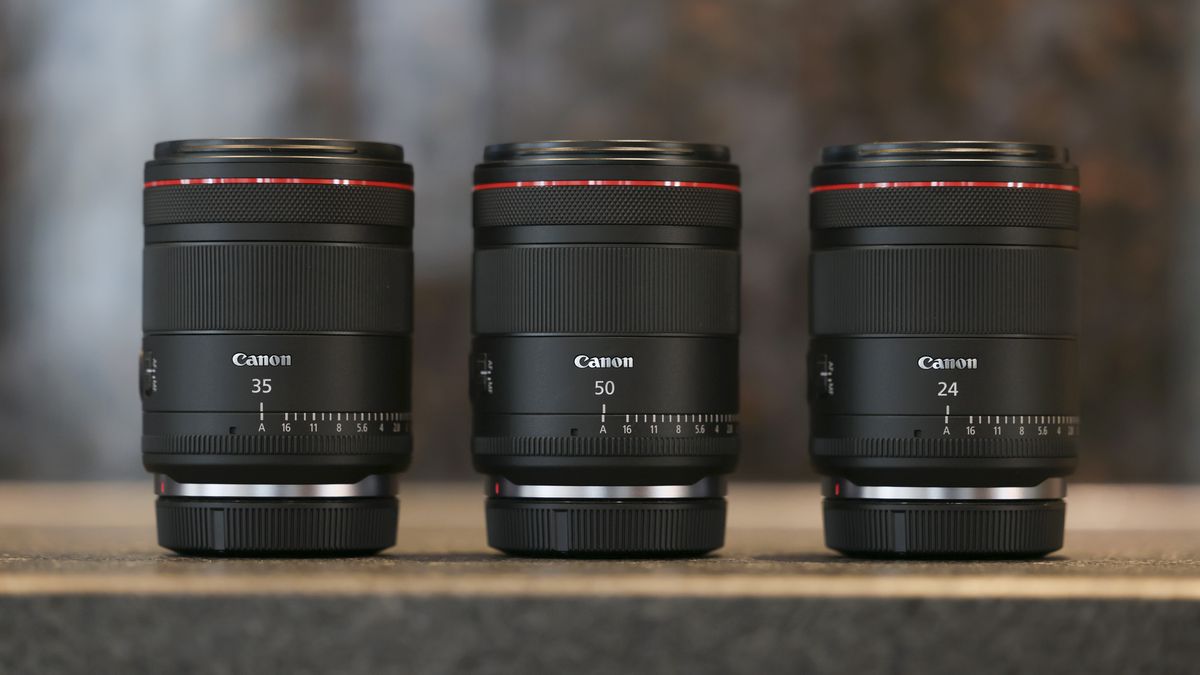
x=281 y=422
x=713 y=423
x=1068 y=424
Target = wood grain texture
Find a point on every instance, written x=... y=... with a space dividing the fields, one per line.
x=84 y=588
x=1123 y=542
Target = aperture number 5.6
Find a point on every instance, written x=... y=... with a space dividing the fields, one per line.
x=260 y=386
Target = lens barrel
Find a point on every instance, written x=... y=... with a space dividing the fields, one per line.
x=275 y=365
x=942 y=367
x=604 y=367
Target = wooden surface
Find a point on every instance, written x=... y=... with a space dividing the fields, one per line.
x=1133 y=541
x=72 y=555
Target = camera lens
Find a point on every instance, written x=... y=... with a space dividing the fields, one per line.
x=604 y=368
x=275 y=365
x=942 y=367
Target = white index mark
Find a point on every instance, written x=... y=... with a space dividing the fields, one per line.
x=260 y=411
x=603 y=412
x=946 y=420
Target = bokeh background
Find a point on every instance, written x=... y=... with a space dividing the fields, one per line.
x=87 y=87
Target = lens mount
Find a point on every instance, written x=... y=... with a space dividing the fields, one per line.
x=377 y=485
x=840 y=488
x=708 y=487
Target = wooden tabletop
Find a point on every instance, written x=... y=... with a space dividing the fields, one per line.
x=79 y=567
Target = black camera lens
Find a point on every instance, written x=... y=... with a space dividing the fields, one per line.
x=275 y=366
x=942 y=367
x=604 y=368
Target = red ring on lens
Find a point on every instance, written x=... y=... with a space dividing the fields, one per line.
x=638 y=183
x=945 y=183
x=276 y=181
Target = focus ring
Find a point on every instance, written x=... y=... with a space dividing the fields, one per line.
x=945 y=206
x=212 y=444
x=606 y=289
x=607 y=205
x=247 y=526
x=277 y=287
x=278 y=203
x=917 y=290
x=633 y=527
x=617 y=446
x=918 y=448
x=877 y=527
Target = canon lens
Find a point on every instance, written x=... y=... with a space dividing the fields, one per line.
x=944 y=314
x=604 y=371
x=275 y=365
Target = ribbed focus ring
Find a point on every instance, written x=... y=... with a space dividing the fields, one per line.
x=278 y=203
x=974 y=290
x=277 y=526
x=616 y=446
x=607 y=205
x=291 y=287
x=606 y=289
x=302 y=444
x=918 y=448
x=965 y=529
x=606 y=528
x=945 y=206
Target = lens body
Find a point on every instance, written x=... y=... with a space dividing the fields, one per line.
x=275 y=367
x=604 y=366
x=942 y=366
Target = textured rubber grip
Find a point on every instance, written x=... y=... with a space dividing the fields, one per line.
x=955 y=448
x=256 y=444
x=258 y=286
x=599 y=528
x=607 y=205
x=277 y=203
x=945 y=206
x=606 y=290
x=603 y=446
x=964 y=290
x=1011 y=529
x=277 y=526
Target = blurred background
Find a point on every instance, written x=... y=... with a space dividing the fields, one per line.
x=87 y=87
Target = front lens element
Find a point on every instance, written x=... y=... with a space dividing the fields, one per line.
x=275 y=365
x=604 y=368
x=942 y=367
